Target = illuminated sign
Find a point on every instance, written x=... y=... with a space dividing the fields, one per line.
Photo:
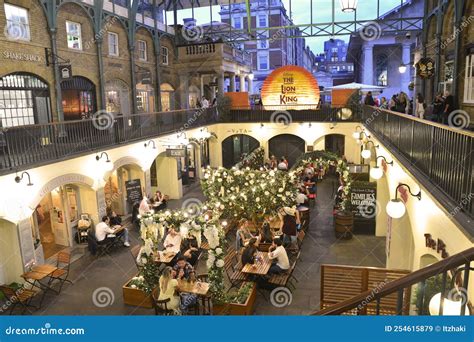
x=290 y=86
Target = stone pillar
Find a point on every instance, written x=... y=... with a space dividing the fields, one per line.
x=406 y=76
x=101 y=205
x=368 y=66
x=201 y=78
x=242 y=83
x=220 y=83
x=167 y=169
x=232 y=82
x=250 y=86
x=184 y=94
x=147 y=176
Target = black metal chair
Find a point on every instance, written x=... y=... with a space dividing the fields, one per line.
x=161 y=306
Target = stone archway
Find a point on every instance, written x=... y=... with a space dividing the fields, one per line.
x=288 y=145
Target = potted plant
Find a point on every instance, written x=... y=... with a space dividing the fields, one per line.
x=134 y=293
x=243 y=303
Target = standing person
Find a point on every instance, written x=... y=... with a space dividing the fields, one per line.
x=168 y=287
x=438 y=107
x=103 y=231
x=392 y=104
x=369 y=100
x=290 y=219
x=420 y=106
x=448 y=106
x=273 y=162
x=204 y=102
x=402 y=103
x=266 y=234
x=383 y=103
x=278 y=254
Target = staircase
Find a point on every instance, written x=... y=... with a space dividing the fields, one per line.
x=347 y=290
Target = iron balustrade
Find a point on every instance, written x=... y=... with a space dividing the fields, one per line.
x=23 y=147
x=440 y=153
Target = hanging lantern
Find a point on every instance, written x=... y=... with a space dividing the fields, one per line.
x=348 y=6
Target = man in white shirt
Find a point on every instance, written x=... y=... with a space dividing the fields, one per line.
x=172 y=241
x=277 y=253
x=204 y=102
x=282 y=166
x=104 y=231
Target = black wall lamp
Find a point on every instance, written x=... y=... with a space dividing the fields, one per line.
x=395 y=207
x=18 y=179
x=376 y=172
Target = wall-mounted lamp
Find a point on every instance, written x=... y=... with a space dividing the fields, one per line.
x=348 y=6
x=151 y=142
x=18 y=179
x=182 y=139
x=262 y=125
x=362 y=136
x=402 y=68
x=366 y=152
x=455 y=304
x=376 y=172
x=108 y=163
x=251 y=77
x=357 y=132
x=395 y=207
x=309 y=125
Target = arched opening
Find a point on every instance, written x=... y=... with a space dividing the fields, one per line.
x=381 y=72
x=24 y=100
x=145 y=97
x=335 y=143
x=79 y=98
x=194 y=96
x=427 y=259
x=237 y=146
x=117 y=188
x=167 y=97
x=287 y=145
x=117 y=95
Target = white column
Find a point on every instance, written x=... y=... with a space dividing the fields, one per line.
x=406 y=76
x=232 y=82
x=368 y=66
x=242 y=82
x=201 y=77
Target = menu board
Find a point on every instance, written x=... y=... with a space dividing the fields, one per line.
x=134 y=191
x=364 y=206
x=26 y=242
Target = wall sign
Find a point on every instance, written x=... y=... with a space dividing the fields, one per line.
x=438 y=245
x=425 y=68
x=176 y=152
x=66 y=71
x=290 y=86
x=20 y=56
x=364 y=206
x=134 y=191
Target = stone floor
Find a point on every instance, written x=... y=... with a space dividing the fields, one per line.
x=107 y=274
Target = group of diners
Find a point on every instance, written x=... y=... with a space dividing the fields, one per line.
x=110 y=229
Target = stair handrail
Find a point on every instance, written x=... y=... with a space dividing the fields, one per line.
x=401 y=283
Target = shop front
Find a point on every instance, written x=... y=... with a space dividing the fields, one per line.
x=145 y=98
x=117 y=94
x=167 y=97
x=78 y=98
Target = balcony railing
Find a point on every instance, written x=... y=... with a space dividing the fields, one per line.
x=441 y=154
x=34 y=145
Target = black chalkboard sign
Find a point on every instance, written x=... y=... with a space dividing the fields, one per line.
x=134 y=191
x=364 y=206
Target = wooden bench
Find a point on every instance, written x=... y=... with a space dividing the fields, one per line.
x=233 y=268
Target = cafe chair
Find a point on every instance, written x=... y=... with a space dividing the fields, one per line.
x=20 y=296
x=232 y=269
x=63 y=263
x=207 y=299
x=134 y=252
x=161 y=306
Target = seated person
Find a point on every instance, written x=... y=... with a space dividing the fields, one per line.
x=168 y=287
x=243 y=235
x=302 y=199
x=190 y=249
x=159 y=200
x=277 y=254
x=290 y=223
x=184 y=270
x=172 y=241
x=249 y=253
x=144 y=206
x=103 y=231
x=266 y=234
x=115 y=220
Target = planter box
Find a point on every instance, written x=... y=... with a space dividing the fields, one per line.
x=248 y=307
x=136 y=297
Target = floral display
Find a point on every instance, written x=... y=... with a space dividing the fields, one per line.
x=254 y=160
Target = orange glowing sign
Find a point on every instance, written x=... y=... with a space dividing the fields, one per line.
x=291 y=86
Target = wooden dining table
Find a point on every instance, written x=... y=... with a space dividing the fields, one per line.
x=198 y=288
x=39 y=273
x=260 y=267
x=165 y=257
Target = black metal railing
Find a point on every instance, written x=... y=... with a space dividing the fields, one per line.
x=441 y=153
x=26 y=146
x=294 y=113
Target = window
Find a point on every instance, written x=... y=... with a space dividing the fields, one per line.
x=74 y=38
x=238 y=23
x=113 y=44
x=164 y=55
x=263 y=62
x=263 y=44
x=262 y=20
x=469 y=80
x=334 y=49
x=142 y=53
x=18 y=27
x=381 y=71
x=446 y=84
